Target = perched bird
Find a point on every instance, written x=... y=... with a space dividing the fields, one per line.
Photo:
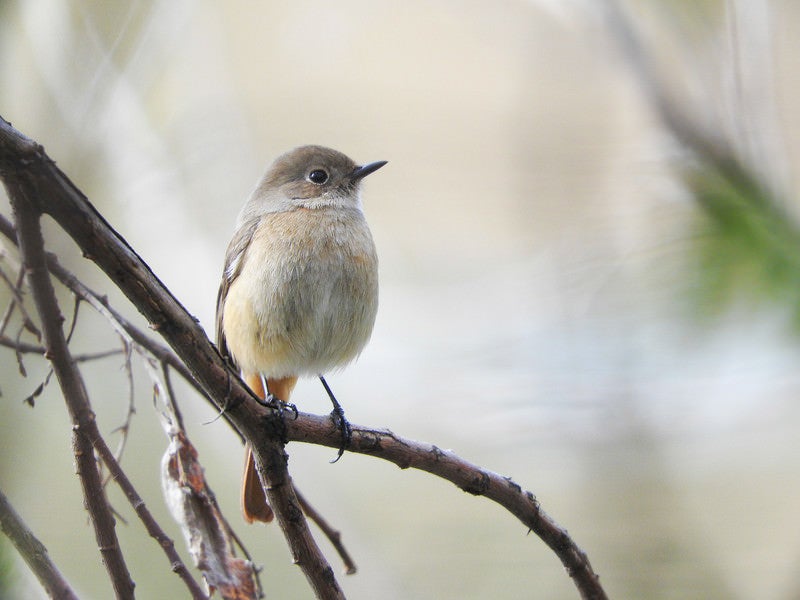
x=299 y=290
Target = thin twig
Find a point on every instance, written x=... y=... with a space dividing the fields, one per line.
x=171 y=399
x=20 y=346
x=145 y=516
x=17 y=299
x=31 y=398
x=334 y=535
x=91 y=356
x=194 y=505
x=76 y=306
x=18 y=354
x=101 y=305
x=124 y=429
x=9 y=311
x=26 y=348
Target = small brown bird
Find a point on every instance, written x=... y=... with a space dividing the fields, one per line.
x=299 y=291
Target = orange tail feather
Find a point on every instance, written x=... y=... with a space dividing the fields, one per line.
x=254 y=500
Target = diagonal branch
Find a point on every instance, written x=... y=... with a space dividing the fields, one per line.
x=31 y=246
x=29 y=174
x=22 y=158
x=755 y=235
x=34 y=552
x=100 y=303
x=147 y=519
x=135 y=338
x=471 y=478
x=334 y=536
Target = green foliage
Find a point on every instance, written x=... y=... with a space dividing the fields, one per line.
x=750 y=247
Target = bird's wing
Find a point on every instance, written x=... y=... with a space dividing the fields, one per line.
x=234 y=257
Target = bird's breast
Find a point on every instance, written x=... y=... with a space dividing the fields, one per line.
x=306 y=297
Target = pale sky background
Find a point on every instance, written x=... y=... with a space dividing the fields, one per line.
x=538 y=313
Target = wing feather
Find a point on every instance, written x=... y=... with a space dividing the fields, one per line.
x=234 y=258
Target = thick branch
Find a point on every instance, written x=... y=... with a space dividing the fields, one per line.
x=59 y=198
x=135 y=336
x=34 y=552
x=271 y=463
x=31 y=246
x=25 y=167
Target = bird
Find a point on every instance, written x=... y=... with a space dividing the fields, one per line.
x=299 y=289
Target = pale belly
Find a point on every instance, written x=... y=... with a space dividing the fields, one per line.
x=306 y=298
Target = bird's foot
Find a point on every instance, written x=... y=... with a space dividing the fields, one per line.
x=339 y=420
x=343 y=425
x=278 y=405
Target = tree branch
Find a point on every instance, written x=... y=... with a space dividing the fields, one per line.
x=406 y=453
x=31 y=246
x=132 y=337
x=194 y=507
x=28 y=173
x=34 y=552
x=147 y=519
x=58 y=197
x=333 y=535
x=122 y=325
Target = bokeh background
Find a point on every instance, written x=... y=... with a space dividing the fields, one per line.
x=554 y=305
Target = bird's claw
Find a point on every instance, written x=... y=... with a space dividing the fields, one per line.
x=343 y=425
x=278 y=405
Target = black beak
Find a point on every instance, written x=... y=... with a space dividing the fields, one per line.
x=361 y=172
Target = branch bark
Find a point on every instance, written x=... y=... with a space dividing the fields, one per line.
x=406 y=453
x=262 y=428
x=30 y=176
x=31 y=245
x=151 y=525
x=100 y=303
x=33 y=552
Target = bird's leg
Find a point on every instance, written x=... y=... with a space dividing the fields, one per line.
x=339 y=420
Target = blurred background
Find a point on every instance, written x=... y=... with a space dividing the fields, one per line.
x=555 y=305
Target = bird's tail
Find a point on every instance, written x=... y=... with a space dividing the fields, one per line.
x=254 y=501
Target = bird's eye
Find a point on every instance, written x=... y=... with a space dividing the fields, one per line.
x=318 y=176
